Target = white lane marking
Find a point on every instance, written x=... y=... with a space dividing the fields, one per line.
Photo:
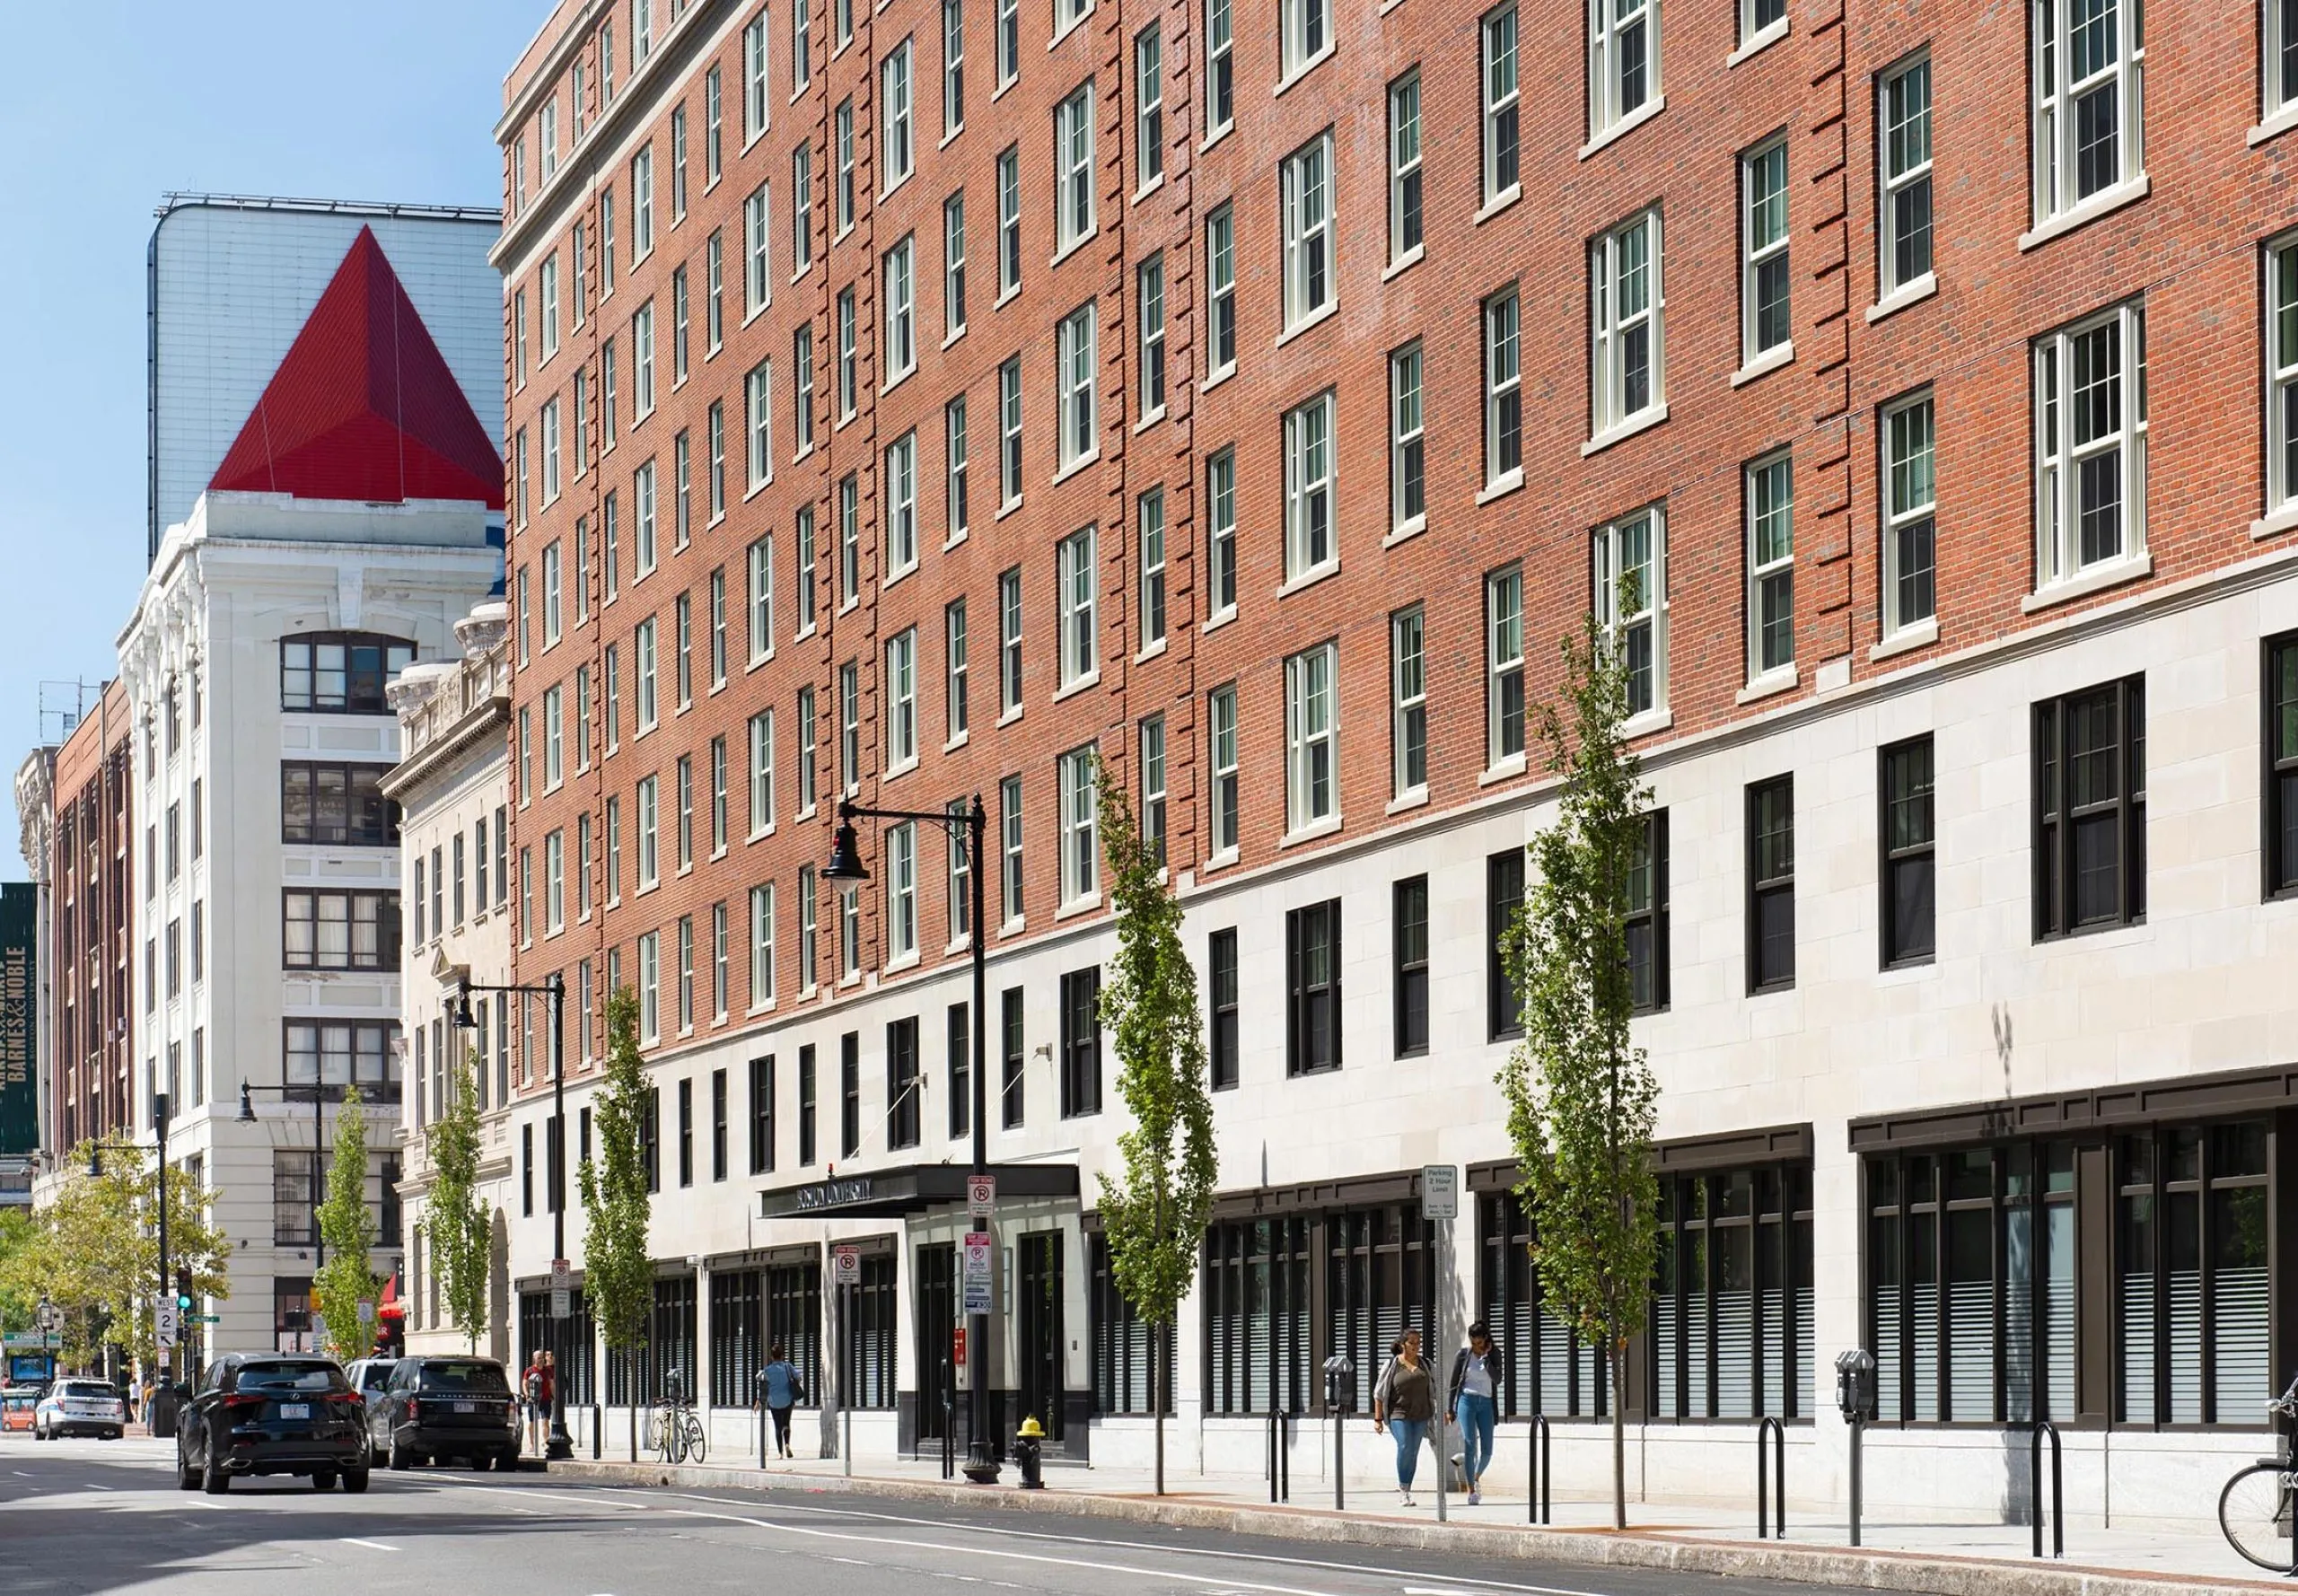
x=93 y=1486
x=21 y=1473
x=373 y=1546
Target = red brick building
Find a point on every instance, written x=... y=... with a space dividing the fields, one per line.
x=1229 y=391
x=90 y=870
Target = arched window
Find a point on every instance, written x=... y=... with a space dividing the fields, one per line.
x=340 y=673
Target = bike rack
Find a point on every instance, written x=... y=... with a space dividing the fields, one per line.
x=2058 y=1488
x=1279 y=1465
x=1538 y=1451
x=595 y=1428
x=949 y=1422
x=1767 y=1464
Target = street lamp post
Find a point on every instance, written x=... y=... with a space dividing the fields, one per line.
x=846 y=865
x=319 y=1150
x=561 y=1445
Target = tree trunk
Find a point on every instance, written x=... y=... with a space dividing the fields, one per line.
x=1617 y=1357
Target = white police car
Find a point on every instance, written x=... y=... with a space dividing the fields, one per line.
x=80 y=1408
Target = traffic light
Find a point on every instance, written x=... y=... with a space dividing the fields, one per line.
x=183 y=1288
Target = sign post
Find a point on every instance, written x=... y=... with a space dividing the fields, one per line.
x=562 y=1289
x=844 y=1275
x=1440 y=1204
x=977 y=1264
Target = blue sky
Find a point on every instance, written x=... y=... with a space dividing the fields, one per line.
x=117 y=102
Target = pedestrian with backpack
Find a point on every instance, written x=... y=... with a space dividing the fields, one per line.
x=784 y=1391
x=1404 y=1403
x=1475 y=1404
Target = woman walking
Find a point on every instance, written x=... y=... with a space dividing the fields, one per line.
x=1475 y=1404
x=783 y=1391
x=1404 y=1401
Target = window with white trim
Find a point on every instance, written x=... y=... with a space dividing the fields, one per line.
x=849 y=540
x=761 y=946
x=901 y=891
x=1504 y=667
x=1910 y=514
x=801 y=207
x=1221 y=740
x=2279 y=77
x=953 y=67
x=902 y=506
x=762 y=730
x=642 y=205
x=1304 y=34
x=757 y=423
x=1764 y=323
x=1623 y=61
x=953 y=265
x=1079 y=849
x=1079 y=574
x=1408 y=702
x=1221 y=533
x=809 y=752
x=1630 y=571
x=1311 y=737
x=1148 y=106
x=1220 y=67
x=953 y=462
x=1404 y=166
x=1903 y=123
x=1009 y=833
x=1009 y=222
x=714 y=430
x=642 y=494
x=642 y=644
x=842 y=132
x=1502 y=178
x=718 y=796
x=1221 y=286
x=758 y=269
x=1307 y=199
x=713 y=291
x=2281 y=366
x=1068 y=14
x=2088 y=74
x=953 y=667
x=646 y=824
x=1150 y=294
x=1153 y=783
x=845 y=355
x=1073 y=165
x=1769 y=485
x=1309 y=543
x=802 y=408
x=849 y=728
x=901 y=700
x=677 y=164
x=1504 y=395
x=901 y=305
x=1009 y=41
x=1628 y=378
x=642 y=358
x=1150 y=519
x=1076 y=356
x=2091 y=444
x=761 y=598
x=895 y=143
x=801 y=42
x=1009 y=641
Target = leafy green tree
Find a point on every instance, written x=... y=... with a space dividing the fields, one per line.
x=95 y=1251
x=348 y=1279
x=1154 y=1215
x=19 y=1242
x=462 y=1243
x=617 y=1272
x=1581 y=1100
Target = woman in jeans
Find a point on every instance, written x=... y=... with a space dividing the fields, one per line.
x=1404 y=1401
x=1475 y=1404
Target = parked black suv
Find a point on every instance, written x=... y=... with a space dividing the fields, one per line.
x=272 y=1413
x=437 y=1407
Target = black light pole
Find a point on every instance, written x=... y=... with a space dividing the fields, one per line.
x=846 y=865
x=319 y=1150
x=560 y=1445
x=159 y=1116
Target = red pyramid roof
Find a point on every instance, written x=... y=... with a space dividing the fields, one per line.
x=363 y=406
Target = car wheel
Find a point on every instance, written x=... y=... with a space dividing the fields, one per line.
x=214 y=1480
x=395 y=1458
x=323 y=1480
x=354 y=1481
x=187 y=1477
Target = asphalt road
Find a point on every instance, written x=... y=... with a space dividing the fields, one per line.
x=88 y=1516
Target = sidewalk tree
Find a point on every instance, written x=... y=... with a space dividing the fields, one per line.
x=95 y=1251
x=454 y=1217
x=618 y=1273
x=1582 y=1099
x=1153 y=1214
x=347 y=1227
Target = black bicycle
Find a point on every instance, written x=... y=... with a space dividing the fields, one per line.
x=2255 y=1509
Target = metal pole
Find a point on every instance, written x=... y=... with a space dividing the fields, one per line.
x=161 y=1108
x=318 y=1151
x=981 y=1463
x=560 y=1445
x=1857 y=1427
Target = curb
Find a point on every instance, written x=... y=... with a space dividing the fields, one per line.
x=1917 y=1573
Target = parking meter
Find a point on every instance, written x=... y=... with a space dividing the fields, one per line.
x=1340 y=1385
x=1855 y=1393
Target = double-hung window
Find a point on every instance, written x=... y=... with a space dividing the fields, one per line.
x=801 y=207
x=1404 y=167
x=902 y=506
x=758 y=271
x=1409 y=972
x=1627 y=377
x=801 y=45
x=802 y=404
x=2281 y=764
x=1771 y=884
x=761 y=598
x=1408 y=448
x=1309 y=542
x=1073 y=165
x=2281 y=357
x=2087 y=75
x=1221 y=533
x=2091 y=444
x=1501 y=175
x=845 y=355
x=1910 y=907
x=1504 y=667
x=901 y=942
x=1504 y=394
x=1150 y=523
x=901 y=323
x=1769 y=489
x=1221 y=732
x=1149 y=106
x=1078 y=573
x=1079 y=849
x=1903 y=119
x=901 y=701
x=1009 y=222
x=1220 y=67
x=761 y=730
x=1008 y=42
x=1220 y=1004
x=757 y=423
x=895 y=141
x=1221 y=287
x=642 y=205
x=1645 y=917
x=1910 y=515
x=953 y=462
x=849 y=540
x=1761 y=21
x=1623 y=61
x=2089 y=808
x=842 y=133
x=849 y=727
x=809 y=754
x=1009 y=846
x=677 y=164
x=714 y=430
x=1765 y=324
x=953 y=668
x=642 y=644
x=1305 y=34
x=1307 y=195
x=953 y=265
x=642 y=358
x=1311 y=737
x=754 y=69
x=713 y=291
x=1630 y=569
x=1153 y=783
x=1075 y=358
x=1313 y=988
x=953 y=67
x=1150 y=296
x=1408 y=702
x=2280 y=74
x=1009 y=641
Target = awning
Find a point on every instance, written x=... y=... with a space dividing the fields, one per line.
x=898 y=1193
x=390 y=1307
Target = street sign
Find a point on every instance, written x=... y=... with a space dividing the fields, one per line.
x=318 y=1331
x=981 y=1193
x=845 y=1266
x=1440 y=1192
x=366 y=1312
x=562 y=1289
x=958 y=1348
x=163 y=1325
x=978 y=1263
x=203 y=1318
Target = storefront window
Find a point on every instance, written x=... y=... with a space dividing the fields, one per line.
x=2190 y=1274
x=1731 y=1325
x=1257 y=1316
x=1121 y=1339
x=1545 y=1368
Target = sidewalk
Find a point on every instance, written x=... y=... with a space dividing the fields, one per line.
x=1947 y=1559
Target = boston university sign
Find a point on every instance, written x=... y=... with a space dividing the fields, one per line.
x=835 y=1194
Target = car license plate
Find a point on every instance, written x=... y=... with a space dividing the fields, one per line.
x=295 y=1410
x=466 y=1407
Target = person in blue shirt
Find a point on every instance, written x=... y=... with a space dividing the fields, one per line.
x=784 y=1391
